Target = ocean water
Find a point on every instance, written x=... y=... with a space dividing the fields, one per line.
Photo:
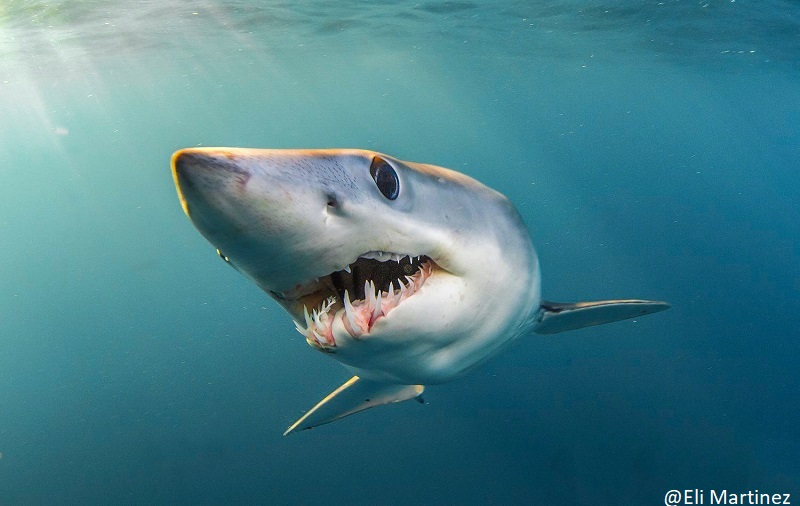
x=652 y=147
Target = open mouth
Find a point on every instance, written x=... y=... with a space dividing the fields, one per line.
x=367 y=289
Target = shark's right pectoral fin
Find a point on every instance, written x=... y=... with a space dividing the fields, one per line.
x=355 y=395
x=556 y=317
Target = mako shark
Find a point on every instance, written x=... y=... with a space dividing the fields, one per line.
x=408 y=274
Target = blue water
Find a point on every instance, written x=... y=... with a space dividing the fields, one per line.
x=653 y=149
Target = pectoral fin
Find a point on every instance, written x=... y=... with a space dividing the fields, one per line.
x=355 y=395
x=558 y=317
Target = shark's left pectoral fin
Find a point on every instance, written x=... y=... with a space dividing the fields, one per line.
x=556 y=317
x=355 y=395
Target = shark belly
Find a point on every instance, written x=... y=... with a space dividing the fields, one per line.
x=408 y=274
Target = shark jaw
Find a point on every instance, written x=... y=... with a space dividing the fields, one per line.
x=408 y=274
x=389 y=279
x=357 y=296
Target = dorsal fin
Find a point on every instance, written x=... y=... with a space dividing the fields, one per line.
x=355 y=395
x=558 y=317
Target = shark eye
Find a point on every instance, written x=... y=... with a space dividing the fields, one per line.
x=385 y=178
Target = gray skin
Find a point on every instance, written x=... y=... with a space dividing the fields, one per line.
x=286 y=217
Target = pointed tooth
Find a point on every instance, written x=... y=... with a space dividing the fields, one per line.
x=374 y=296
x=391 y=288
x=348 y=306
x=348 y=270
x=299 y=328
x=403 y=290
x=315 y=315
x=319 y=338
x=306 y=316
x=353 y=325
x=349 y=312
x=376 y=311
x=366 y=291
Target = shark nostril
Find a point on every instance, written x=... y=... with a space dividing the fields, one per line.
x=333 y=200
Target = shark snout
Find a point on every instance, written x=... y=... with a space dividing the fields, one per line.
x=268 y=212
x=206 y=170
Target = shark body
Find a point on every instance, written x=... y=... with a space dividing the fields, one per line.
x=408 y=274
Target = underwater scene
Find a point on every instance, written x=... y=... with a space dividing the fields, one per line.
x=651 y=148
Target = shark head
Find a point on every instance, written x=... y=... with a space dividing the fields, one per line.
x=406 y=273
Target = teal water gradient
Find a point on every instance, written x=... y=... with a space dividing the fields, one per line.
x=651 y=147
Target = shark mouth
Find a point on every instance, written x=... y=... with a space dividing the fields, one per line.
x=366 y=290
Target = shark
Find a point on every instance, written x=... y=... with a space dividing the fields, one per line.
x=408 y=274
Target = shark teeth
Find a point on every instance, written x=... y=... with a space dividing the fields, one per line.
x=350 y=315
x=382 y=256
x=378 y=266
x=318 y=329
x=377 y=310
x=358 y=316
x=361 y=315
